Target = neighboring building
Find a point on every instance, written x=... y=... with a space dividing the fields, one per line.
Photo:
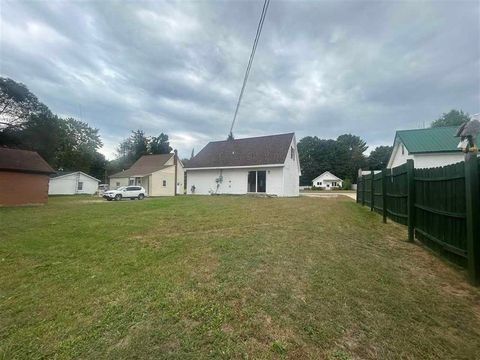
x=327 y=181
x=428 y=148
x=23 y=177
x=71 y=183
x=160 y=175
x=265 y=165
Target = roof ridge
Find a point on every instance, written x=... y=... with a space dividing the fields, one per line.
x=254 y=137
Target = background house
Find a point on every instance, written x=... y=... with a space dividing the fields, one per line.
x=428 y=148
x=327 y=181
x=23 y=177
x=160 y=175
x=265 y=164
x=71 y=183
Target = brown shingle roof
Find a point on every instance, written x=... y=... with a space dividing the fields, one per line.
x=23 y=161
x=262 y=150
x=146 y=165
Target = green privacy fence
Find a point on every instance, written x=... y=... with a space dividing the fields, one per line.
x=440 y=206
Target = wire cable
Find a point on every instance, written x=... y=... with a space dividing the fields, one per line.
x=250 y=62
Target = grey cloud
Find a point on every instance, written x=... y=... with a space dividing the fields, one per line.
x=322 y=68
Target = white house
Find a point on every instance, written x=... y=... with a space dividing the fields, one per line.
x=160 y=175
x=432 y=147
x=327 y=181
x=257 y=165
x=71 y=183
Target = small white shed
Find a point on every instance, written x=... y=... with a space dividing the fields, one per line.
x=327 y=181
x=71 y=183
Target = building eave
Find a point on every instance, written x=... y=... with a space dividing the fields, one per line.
x=236 y=167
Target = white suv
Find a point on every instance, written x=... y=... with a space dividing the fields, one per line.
x=129 y=192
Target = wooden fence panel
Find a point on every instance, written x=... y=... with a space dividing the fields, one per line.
x=397 y=194
x=378 y=193
x=440 y=210
x=440 y=205
x=367 y=190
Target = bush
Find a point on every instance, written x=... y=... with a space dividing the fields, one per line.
x=347 y=184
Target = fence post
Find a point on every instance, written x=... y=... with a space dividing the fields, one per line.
x=357 y=200
x=473 y=208
x=411 y=199
x=363 y=190
x=384 y=195
x=372 y=188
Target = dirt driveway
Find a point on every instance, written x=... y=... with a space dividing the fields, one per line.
x=329 y=194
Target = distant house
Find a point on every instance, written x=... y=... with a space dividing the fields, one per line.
x=327 y=181
x=23 y=177
x=71 y=183
x=256 y=165
x=160 y=175
x=428 y=148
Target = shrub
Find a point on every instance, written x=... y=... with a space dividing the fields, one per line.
x=347 y=184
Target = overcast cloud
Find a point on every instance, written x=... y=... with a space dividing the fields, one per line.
x=322 y=67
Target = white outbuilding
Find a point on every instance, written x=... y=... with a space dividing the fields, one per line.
x=71 y=183
x=327 y=181
x=257 y=165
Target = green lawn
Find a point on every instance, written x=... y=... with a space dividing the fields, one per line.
x=225 y=277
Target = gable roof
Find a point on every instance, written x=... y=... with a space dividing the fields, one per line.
x=146 y=165
x=60 y=174
x=331 y=177
x=431 y=140
x=262 y=150
x=23 y=161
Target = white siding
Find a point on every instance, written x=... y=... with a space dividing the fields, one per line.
x=235 y=181
x=68 y=184
x=425 y=160
x=291 y=172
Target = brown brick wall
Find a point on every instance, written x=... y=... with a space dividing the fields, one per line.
x=18 y=188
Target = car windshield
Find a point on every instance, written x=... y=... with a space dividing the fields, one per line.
x=122 y=188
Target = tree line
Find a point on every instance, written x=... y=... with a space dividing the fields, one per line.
x=67 y=144
x=70 y=144
x=345 y=155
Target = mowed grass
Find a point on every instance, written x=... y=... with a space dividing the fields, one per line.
x=225 y=277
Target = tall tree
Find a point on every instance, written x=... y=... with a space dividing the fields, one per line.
x=159 y=144
x=17 y=103
x=356 y=159
x=319 y=155
x=452 y=118
x=379 y=157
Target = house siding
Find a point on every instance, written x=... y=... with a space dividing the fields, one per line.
x=425 y=160
x=235 y=181
x=67 y=185
x=17 y=188
x=291 y=172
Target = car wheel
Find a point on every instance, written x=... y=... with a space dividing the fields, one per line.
x=108 y=199
x=141 y=196
x=118 y=197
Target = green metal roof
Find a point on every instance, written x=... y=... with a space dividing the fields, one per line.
x=431 y=140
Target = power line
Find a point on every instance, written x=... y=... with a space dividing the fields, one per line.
x=250 y=61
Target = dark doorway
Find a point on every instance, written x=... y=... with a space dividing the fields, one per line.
x=261 y=181
x=252 y=181
x=257 y=181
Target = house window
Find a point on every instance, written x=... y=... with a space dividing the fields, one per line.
x=80 y=186
x=334 y=183
x=292 y=153
x=319 y=183
x=131 y=181
x=164 y=183
x=256 y=181
x=403 y=150
x=117 y=183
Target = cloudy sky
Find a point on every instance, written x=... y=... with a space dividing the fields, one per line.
x=322 y=67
